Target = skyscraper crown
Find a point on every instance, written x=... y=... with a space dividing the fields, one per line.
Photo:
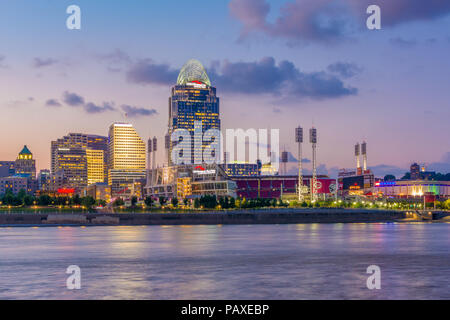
x=193 y=71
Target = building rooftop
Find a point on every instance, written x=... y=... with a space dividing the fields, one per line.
x=193 y=71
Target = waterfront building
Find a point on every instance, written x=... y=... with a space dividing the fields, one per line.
x=95 y=166
x=412 y=189
x=242 y=169
x=18 y=182
x=126 y=160
x=80 y=158
x=274 y=187
x=98 y=191
x=7 y=168
x=193 y=100
x=25 y=164
x=43 y=178
x=191 y=181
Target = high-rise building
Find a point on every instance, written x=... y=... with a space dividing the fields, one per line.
x=80 y=159
x=193 y=101
x=25 y=164
x=95 y=166
x=126 y=160
x=43 y=179
x=7 y=168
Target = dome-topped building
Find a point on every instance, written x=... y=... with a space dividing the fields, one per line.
x=193 y=71
x=193 y=101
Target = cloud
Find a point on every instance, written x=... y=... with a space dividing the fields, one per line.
x=2 y=59
x=148 y=72
x=282 y=79
x=115 y=60
x=91 y=107
x=43 y=62
x=403 y=11
x=344 y=69
x=53 y=103
x=319 y=20
x=73 y=99
x=329 y=20
x=265 y=76
x=402 y=43
x=133 y=111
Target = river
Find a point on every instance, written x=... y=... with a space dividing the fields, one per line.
x=297 y=261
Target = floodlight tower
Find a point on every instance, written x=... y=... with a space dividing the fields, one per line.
x=357 y=153
x=313 y=141
x=299 y=140
x=364 y=154
x=154 y=143
x=149 y=162
x=284 y=160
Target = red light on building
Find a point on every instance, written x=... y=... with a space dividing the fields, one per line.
x=66 y=190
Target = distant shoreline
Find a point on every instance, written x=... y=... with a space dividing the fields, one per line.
x=258 y=216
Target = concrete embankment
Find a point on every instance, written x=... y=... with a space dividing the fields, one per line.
x=272 y=216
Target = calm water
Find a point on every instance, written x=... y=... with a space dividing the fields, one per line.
x=308 y=261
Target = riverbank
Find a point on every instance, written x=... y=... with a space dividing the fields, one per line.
x=270 y=216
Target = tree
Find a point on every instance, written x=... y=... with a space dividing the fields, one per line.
x=118 y=202
x=88 y=201
x=232 y=202
x=174 y=202
x=196 y=203
x=407 y=176
x=44 y=200
x=134 y=200
x=77 y=199
x=185 y=202
x=162 y=200
x=389 y=177
x=148 y=201
x=28 y=200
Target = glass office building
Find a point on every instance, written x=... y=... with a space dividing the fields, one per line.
x=126 y=160
x=193 y=104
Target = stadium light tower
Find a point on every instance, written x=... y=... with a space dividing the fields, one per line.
x=313 y=140
x=299 y=140
x=357 y=154
x=364 y=154
x=154 y=143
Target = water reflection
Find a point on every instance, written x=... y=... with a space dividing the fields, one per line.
x=323 y=261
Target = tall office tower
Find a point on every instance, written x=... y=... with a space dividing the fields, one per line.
x=313 y=140
x=95 y=166
x=126 y=160
x=193 y=100
x=76 y=159
x=357 y=155
x=299 y=140
x=43 y=179
x=364 y=154
x=25 y=164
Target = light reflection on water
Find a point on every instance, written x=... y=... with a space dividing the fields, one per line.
x=305 y=261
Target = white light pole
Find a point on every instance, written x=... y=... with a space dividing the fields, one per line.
x=299 y=140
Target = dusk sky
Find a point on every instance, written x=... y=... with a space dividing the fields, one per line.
x=276 y=64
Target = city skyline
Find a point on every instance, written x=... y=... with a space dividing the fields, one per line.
x=356 y=93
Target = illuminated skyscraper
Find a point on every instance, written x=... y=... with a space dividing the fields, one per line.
x=95 y=166
x=25 y=164
x=126 y=159
x=193 y=100
x=80 y=159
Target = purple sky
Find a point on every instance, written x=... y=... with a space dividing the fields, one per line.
x=276 y=64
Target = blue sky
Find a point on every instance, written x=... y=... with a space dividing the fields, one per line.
x=276 y=64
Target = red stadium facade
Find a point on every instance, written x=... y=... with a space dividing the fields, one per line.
x=277 y=186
